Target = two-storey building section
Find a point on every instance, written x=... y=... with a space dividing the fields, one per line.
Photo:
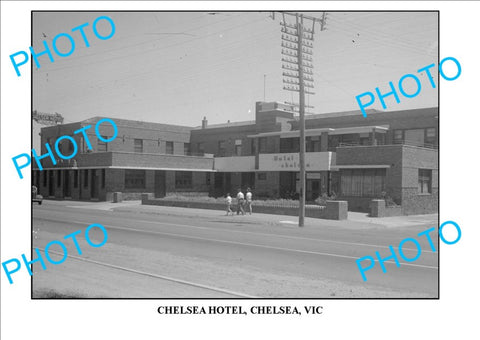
x=387 y=154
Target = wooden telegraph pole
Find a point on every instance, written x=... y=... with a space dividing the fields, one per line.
x=297 y=51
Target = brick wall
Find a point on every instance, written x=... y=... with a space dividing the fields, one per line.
x=270 y=187
x=335 y=211
x=211 y=136
x=401 y=179
x=405 y=119
x=390 y=155
x=153 y=135
x=414 y=202
x=199 y=183
x=163 y=161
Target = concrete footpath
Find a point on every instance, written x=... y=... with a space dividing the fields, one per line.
x=355 y=220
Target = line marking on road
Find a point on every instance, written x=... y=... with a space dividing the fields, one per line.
x=274 y=235
x=250 y=244
x=167 y=278
x=281 y=236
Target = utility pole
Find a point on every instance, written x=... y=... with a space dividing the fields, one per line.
x=297 y=51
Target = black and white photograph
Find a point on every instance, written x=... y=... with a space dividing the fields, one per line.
x=235 y=154
x=238 y=169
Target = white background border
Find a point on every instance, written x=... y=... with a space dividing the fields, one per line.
x=454 y=315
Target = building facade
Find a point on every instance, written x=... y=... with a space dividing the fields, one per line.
x=144 y=157
x=391 y=155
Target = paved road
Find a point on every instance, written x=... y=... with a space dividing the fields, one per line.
x=159 y=252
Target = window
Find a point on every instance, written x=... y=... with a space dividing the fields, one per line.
x=424 y=181
x=134 y=179
x=238 y=147
x=207 y=178
x=183 y=179
x=397 y=136
x=262 y=176
x=186 y=149
x=312 y=144
x=364 y=139
x=415 y=137
x=45 y=179
x=333 y=142
x=103 y=178
x=290 y=145
x=362 y=182
x=253 y=147
x=138 y=145
x=218 y=180
x=200 y=148
x=85 y=178
x=59 y=178
x=248 y=180
x=262 y=144
x=221 y=148
x=101 y=146
x=75 y=178
x=430 y=137
x=49 y=142
x=169 y=148
x=349 y=139
x=70 y=147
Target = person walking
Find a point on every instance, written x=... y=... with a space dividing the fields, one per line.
x=228 y=200
x=248 y=197
x=240 y=202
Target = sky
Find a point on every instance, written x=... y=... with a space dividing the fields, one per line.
x=177 y=67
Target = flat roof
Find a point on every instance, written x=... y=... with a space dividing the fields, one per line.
x=330 y=131
x=228 y=124
x=125 y=168
x=361 y=166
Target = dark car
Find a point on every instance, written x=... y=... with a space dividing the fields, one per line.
x=36 y=197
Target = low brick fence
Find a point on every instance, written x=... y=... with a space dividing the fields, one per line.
x=334 y=210
x=117 y=197
x=379 y=209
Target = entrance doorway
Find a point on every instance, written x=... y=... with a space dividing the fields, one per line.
x=160 y=183
x=313 y=189
x=312 y=186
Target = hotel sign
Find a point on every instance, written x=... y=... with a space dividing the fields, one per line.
x=314 y=161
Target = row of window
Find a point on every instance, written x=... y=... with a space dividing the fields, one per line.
x=76 y=177
x=371 y=182
x=354 y=182
x=222 y=148
x=66 y=147
x=418 y=137
x=138 y=147
x=362 y=182
x=135 y=179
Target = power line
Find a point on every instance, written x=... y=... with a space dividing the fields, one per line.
x=155 y=49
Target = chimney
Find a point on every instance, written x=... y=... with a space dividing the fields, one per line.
x=204 y=123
